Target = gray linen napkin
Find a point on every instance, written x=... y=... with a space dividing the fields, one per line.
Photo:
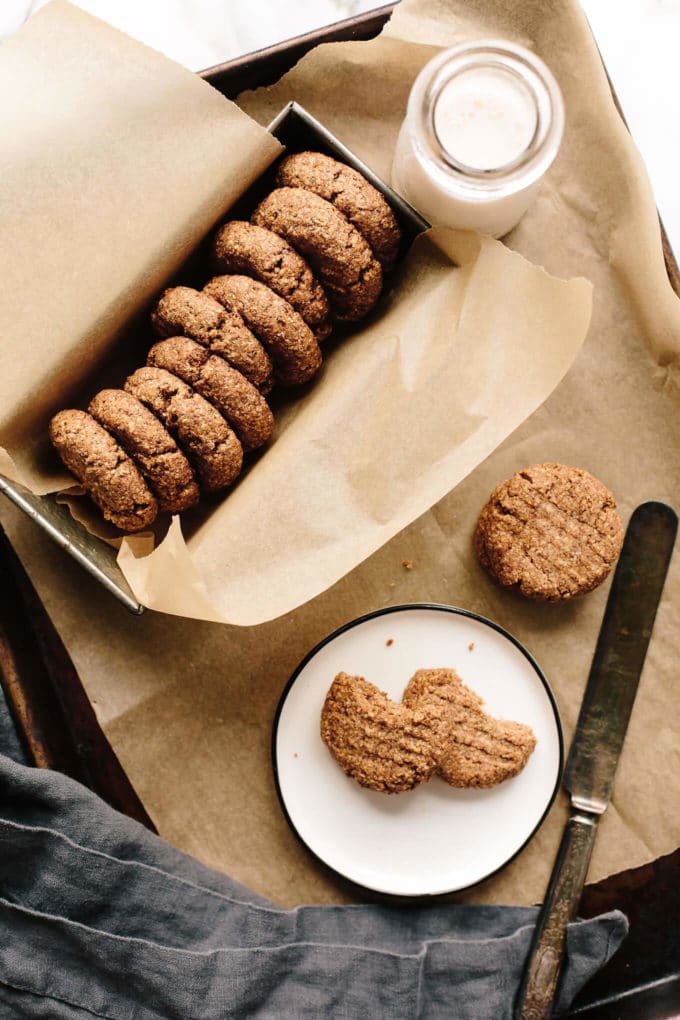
x=98 y=917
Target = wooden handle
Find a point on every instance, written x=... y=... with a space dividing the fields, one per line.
x=544 y=963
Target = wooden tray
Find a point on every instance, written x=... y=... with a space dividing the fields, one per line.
x=642 y=982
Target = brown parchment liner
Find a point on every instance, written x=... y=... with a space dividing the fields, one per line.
x=188 y=705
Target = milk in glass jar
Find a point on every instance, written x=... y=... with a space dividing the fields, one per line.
x=484 y=123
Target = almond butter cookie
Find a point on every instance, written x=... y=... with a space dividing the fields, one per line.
x=482 y=751
x=337 y=252
x=111 y=478
x=351 y=194
x=182 y=310
x=235 y=398
x=287 y=338
x=385 y=746
x=198 y=428
x=150 y=445
x=245 y=249
x=551 y=532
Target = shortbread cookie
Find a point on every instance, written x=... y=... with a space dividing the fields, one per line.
x=351 y=194
x=551 y=532
x=483 y=751
x=182 y=310
x=288 y=339
x=111 y=478
x=235 y=398
x=337 y=252
x=150 y=445
x=200 y=430
x=243 y=248
x=383 y=745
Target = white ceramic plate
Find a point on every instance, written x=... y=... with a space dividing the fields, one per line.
x=433 y=839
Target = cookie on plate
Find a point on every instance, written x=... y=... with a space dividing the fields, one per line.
x=199 y=429
x=385 y=746
x=235 y=398
x=551 y=532
x=242 y=248
x=150 y=445
x=111 y=478
x=351 y=194
x=182 y=310
x=482 y=751
x=337 y=252
x=287 y=338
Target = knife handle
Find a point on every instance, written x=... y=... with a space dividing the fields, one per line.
x=544 y=964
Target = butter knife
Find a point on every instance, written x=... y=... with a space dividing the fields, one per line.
x=607 y=704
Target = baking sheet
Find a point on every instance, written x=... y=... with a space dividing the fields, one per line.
x=188 y=705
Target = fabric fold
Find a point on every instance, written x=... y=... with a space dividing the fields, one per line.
x=100 y=917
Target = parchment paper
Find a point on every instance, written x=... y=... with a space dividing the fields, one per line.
x=188 y=705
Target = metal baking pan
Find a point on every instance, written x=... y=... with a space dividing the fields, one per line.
x=296 y=130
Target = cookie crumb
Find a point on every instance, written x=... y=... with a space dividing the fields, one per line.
x=471 y=646
x=407 y=564
x=389 y=642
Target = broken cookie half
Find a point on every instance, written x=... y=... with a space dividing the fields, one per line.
x=440 y=727
x=382 y=744
x=482 y=751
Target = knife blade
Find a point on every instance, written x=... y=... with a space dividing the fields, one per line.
x=600 y=732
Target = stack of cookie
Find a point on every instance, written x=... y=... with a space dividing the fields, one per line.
x=315 y=251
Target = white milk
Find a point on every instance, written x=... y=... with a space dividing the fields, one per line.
x=484 y=123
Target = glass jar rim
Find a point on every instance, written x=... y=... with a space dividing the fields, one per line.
x=542 y=148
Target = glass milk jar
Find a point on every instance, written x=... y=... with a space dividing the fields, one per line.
x=483 y=124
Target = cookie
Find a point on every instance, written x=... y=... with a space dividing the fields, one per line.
x=483 y=751
x=351 y=194
x=111 y=478
x=150 y=445
x=385 y=746
x=199 y=429
x=235 y=398
x=336 y=251
x=550 y=532
x=182 y=310
x=288 y=339
x=243 y=248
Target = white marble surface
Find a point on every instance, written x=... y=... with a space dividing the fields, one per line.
x=639 y=40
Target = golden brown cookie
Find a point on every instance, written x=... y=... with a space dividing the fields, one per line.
x=111 y=479
x=243 y=248
x=187 y=312
x=551 y=532
x=286 y=336
x=150 y=445
x=483 y=751
x=337 y=252
x=351 y=194
x=199 y=429
x=235 y=398
x=383 y=745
